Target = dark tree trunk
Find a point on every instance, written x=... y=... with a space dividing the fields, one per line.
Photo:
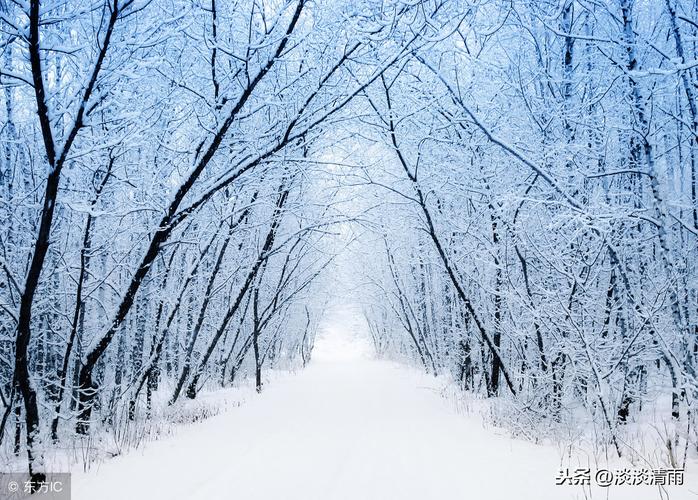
x=255 y=341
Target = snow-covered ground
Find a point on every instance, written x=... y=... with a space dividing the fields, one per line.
x=347 y=427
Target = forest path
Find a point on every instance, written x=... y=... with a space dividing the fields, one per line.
x=346 y=427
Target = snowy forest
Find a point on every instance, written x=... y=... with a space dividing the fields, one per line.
x=507 y=188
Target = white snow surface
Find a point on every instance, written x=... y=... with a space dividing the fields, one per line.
x=348 y=427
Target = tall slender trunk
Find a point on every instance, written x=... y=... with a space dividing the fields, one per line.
x=56 y=162
x=255 y=340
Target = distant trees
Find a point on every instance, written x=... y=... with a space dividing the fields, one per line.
x=546 y=152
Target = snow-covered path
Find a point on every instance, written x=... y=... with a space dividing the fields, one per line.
x=347 y=427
